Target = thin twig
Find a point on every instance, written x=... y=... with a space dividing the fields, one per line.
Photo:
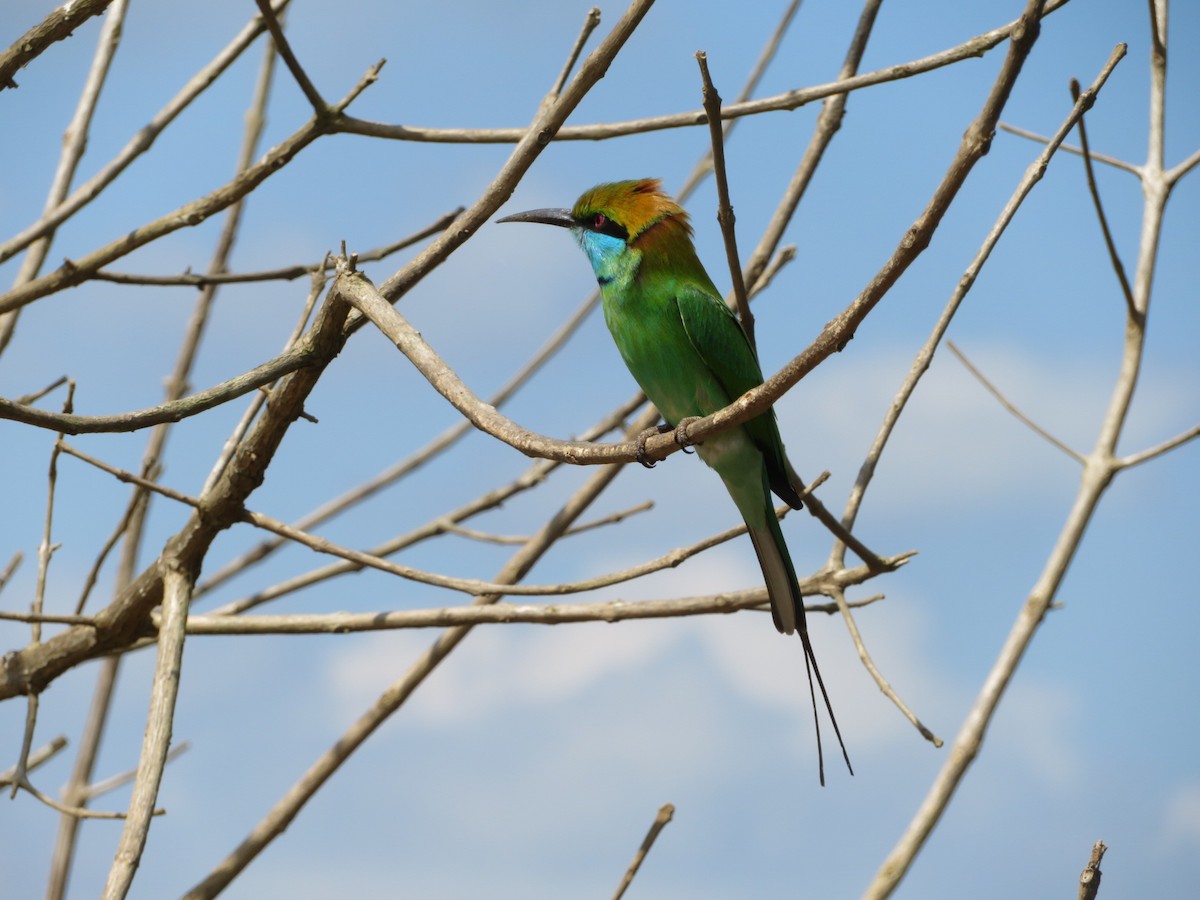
x=665 y=813
x=171 y=411
x=881 y=682
x=46 y=618
x=75 y=792
x=100 y=788
x=527 y=480
x=1094 y=190
x=529 y=614
x=28 y=399
x=36 y=758
x=284 y=49
x=1004 y=401
x=1071 y=148
x=46 y=550
x=286 y=273
x=725 y=217
x=490 y=538
x=9 y=570
x=591 y=22
x=76 y=812
x=1179 y=440
x=133 y=511
x=789 y=100
x=778 y=261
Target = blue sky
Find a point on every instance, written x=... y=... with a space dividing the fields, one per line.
x=534 y=759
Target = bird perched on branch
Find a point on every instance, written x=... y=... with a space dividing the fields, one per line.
x=686 y=349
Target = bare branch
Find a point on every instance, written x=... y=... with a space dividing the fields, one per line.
x=790 y=100
x=286 y=809
x=1098 y=472
x=1089 y=879
x=29 y=669
x=1033 y=174
x=74 y=141
x=177 y=584
x=140 y=142
x=471 y=586
x=57 y=26
x=528 y=480
x=75 y=272
x=286 y=273
x=171 y=411
x=665 y=813
x=765 y=57
x=824 y=583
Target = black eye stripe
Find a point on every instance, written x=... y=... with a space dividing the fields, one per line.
x=602 y=224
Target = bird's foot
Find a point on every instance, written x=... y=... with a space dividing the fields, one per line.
x=641 y=439
x=681 y=437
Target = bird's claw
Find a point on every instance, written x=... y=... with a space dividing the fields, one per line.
x=641 y=439
x=681 y=437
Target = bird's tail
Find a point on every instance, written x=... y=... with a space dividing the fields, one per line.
x=787 y=608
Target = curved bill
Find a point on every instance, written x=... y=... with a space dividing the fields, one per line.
x=561 y=217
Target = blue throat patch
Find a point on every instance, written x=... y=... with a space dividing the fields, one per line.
x=605 y=252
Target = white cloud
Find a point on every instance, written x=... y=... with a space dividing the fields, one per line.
x=496 y=667
x=1180 y=827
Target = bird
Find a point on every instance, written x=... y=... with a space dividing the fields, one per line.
x=689 y=353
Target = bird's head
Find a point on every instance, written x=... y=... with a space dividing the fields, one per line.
x=620 y=224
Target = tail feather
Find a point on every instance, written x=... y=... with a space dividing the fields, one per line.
x=787 y=609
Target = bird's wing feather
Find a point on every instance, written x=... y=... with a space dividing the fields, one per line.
x=718 y=337
x=715 y=332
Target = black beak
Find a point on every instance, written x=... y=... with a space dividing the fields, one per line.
x=561 y=217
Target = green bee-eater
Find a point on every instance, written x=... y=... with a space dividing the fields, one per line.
x=686 y=349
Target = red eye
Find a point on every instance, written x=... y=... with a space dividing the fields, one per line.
x=598 y=221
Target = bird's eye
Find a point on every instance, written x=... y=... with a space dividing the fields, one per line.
x=599 y=221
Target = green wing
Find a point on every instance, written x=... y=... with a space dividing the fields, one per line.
x=717 y=336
